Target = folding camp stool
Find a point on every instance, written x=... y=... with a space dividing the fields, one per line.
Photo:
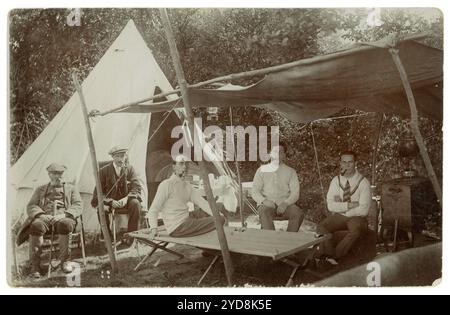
x=113 y=215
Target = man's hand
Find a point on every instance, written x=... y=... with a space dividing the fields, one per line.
x=116 y=205
x=269 y=204
x=153 y=233
x=353 y=205
x=57 y=218
x=337 y=199
x=107 y=209
x=45 y=217
x=282 y=208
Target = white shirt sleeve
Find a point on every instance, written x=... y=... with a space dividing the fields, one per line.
x=258 y=184
x=158 y=203
x=294 y=187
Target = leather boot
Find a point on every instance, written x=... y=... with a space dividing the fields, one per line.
x=36 y=243
x=63 y=241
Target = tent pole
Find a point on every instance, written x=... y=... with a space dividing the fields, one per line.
x=190 y=117
x=380 y=119
x=238 y=173
x=415 y=124
x=104 y=228
x=316 y=156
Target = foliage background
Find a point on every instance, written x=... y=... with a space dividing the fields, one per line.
x=212 y=42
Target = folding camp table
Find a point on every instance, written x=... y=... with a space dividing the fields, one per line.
x=278 y=245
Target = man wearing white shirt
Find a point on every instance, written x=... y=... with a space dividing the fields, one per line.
x=172 y=200
x=276 y=189
x=348 y=199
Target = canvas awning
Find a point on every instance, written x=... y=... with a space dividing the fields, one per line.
x=363 y=77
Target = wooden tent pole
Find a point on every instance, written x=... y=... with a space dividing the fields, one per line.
x=415 y=124
x=147 y=99
x=190 y=117
x=380 y=118
x=316 y=156
x=238 y=173
x=95 y=169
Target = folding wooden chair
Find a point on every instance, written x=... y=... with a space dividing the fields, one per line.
x=76 y=239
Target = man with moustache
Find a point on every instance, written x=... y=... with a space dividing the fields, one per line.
x=348 y=199
x=121 y=188
x=56 y=206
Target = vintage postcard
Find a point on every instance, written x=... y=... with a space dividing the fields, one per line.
x=207 y=147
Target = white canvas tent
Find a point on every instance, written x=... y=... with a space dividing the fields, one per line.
x=126 y=72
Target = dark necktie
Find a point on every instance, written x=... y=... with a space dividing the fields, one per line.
x=347 y=192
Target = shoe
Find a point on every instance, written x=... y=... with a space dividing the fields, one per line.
x=66 y=267
x=124 y=245
x=35 y=275
x=120 y=236
x=332 y=261
x=35 y=271
x=326 y=263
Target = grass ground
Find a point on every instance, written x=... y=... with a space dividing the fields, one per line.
x=166 y=270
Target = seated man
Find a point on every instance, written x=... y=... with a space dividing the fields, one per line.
x=348 y=199
x=276 y=189
x=121 y=189
x=53 y=206
x=172 y=200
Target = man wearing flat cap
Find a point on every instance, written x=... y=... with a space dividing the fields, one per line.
x=121 y=189
x=56 y=206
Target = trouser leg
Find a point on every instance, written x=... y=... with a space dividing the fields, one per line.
x=134 y=212
x=266 y=216
x=36 y=243
x=108 y=223
x=295 y=216
x=333 y=223
x=356 y=227
x=63 y=228
x=39 y=227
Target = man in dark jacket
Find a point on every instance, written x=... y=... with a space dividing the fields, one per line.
x=56 y=206
x=121 y=188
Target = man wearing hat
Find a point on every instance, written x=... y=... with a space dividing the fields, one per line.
x=56 y=206
x=172 y=200
x=121 y=189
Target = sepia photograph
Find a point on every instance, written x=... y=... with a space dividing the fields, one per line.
x=224 y=147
